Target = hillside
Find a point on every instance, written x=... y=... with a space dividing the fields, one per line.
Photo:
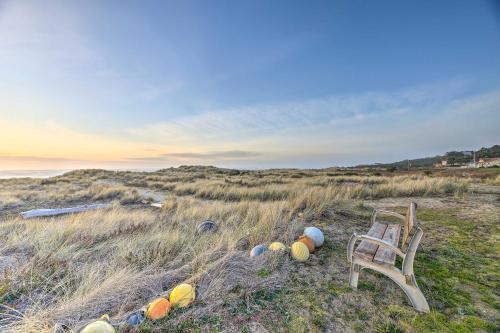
x=452 y=157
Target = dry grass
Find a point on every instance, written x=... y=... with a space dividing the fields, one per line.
x=78 y=267
x=493 y=181
x=82 y=265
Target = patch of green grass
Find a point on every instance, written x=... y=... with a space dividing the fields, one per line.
x=457 y=273
x=336 y=289
x=190 y=325
x=362 y=314
x=388 y=327
x=214 y=323
x=438 y=322
x=358 y=327
x=298 y=324
x=263 y=272
x=364 y=285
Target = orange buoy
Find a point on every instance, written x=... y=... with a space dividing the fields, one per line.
x=158 y=308
x=308 y=242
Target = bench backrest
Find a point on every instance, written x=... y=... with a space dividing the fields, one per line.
x=412 y=235
x=411 y=222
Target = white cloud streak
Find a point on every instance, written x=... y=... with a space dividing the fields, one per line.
x=344 y=129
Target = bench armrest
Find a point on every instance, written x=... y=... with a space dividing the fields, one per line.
x=386 y=212
x=380 y=242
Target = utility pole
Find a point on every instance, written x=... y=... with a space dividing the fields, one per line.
x=408 y=166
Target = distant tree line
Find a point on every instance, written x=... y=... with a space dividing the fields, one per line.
x=461 y=157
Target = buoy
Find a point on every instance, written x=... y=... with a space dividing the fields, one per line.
x=308 y=242
x=158 y=308
x=258 y=250
x=315 y=234
x=182 y=295
x=135 y=319
x=277 y=246
x=99 y=326
x=300 y=251
x=207 y=225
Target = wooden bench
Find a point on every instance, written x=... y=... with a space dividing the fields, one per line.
x=379 y=247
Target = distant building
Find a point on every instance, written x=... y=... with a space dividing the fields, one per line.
x=441 y=164
x=488 y=162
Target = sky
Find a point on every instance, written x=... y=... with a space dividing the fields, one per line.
x=245 y=84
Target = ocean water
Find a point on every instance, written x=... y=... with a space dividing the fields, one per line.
x=30 y=173
x=53 y=172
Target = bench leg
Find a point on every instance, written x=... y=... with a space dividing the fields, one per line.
x=353 y=276
x=409 y=285
x=417 y=299
x=415 y=295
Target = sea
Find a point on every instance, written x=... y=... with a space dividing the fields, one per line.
x=4 y=174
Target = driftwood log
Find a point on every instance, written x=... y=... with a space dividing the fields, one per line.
x=60 y=211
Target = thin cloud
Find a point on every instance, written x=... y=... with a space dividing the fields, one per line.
x=343 y=130
x=231 y=154
x=246 y=123
x=37 y=159
x=208 y=156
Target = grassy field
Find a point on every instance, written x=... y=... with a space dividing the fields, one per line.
x=72 y=269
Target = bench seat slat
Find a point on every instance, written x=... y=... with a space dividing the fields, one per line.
x=391 y=235
x=367 y=250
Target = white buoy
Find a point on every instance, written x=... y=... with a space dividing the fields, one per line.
x=316 y=235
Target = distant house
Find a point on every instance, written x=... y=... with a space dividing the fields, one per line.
x=441 y=164
x=488 y=162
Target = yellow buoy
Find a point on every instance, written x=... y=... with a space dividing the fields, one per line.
x=99 y=326
x=158 y=308
x=300 y=252
x=277 y=246
x=182 y=295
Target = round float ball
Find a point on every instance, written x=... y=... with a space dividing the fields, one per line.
x=315 y=234
x=308 y=242
x=300 y=252
x=277 y=246
x=207 y=225
x=135 y=319
x=99 y=326
x=258 y=250
x=158 y=308
x=182 y=295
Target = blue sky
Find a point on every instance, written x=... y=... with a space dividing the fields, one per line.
x=245 y=84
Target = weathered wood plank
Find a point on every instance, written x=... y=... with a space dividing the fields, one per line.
x=60 y=211
x=391 y=235
x=367 y=250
